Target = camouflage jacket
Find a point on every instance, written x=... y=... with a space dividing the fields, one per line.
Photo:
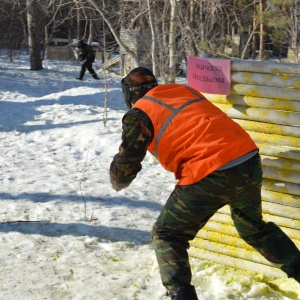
x=87 y=52
x=137 y=133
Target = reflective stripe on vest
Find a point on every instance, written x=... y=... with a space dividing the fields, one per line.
x=192 y=137
x=175 y=112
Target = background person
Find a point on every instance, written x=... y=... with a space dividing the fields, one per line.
x=87 y=54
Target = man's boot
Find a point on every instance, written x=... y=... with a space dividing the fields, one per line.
x=187 y=292
x=79 y=78
x=95 y=76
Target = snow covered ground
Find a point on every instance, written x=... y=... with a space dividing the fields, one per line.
x=64 y=233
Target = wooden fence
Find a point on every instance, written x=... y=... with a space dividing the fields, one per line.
x=265 y=101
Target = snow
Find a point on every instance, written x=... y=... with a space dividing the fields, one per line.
x=64 y=232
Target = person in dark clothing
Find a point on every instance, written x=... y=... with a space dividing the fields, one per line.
x=215 y=162
x=87 y=54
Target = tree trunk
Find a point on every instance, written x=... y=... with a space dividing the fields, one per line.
x=254 y=30
x=114 y=32
x=261 y=29
x=91 y=31
x=294 y=17
x=153 y=44
x=34 y=39
x=172 y=44
x=77 y=20
x=202 y=25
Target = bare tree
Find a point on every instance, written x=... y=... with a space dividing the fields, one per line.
x=262 y=4
x=176 y=29
x=153 y=40
x=284 y=24
x=12 y=27
x=34 y=37
x=172 y=44
x=106 y=18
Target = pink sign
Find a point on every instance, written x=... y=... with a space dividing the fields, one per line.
x=210 y=76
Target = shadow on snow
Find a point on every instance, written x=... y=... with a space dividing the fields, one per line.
x=112 y=234
x=15 y=115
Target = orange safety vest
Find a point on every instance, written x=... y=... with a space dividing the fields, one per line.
x=192 y=137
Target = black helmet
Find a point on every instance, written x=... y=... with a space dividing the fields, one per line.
x=80 y=43
x=136 y=84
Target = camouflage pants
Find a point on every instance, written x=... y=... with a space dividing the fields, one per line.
x=190 y=207
x=88 y=64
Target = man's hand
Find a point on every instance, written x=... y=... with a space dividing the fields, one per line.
x=81 y=57
x=118 y=186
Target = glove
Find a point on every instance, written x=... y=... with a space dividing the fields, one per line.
x=118 y=186
x=81 y=57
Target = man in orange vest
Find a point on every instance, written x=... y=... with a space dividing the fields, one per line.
x=215 y=162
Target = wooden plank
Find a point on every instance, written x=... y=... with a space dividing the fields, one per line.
x=281 y=163
x=265 y=91
x=284 y=223
x=281 y=174
x=280 y=210
x=224 y=246
x=224 y=216
x=283 y=81
x=272 y=209
x=229 y=245
x=229 y=229
x=268 y=128
x=281 y=187
x=221 y=237
x=261 y=114
x=275 y=139
x=290 y=212
x=234 y=262
x=279 y=150
x=264 y=67
x=248 y=101
x=287 y=204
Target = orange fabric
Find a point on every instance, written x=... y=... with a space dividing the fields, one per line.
x=191 y=141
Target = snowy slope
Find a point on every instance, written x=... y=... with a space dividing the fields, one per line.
x=64 y=232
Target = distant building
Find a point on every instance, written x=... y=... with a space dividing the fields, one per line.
x=139 y=41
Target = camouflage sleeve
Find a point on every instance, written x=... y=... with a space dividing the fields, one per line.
x=136 y=135
x=84 y=52
x=90 y=51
